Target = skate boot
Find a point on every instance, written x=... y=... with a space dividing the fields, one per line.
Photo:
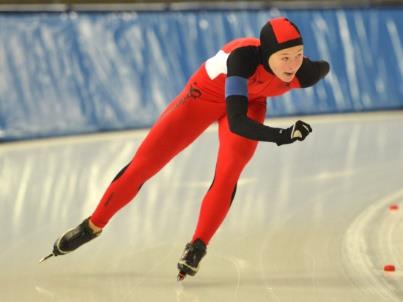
x=72 y=239
x=189 y=262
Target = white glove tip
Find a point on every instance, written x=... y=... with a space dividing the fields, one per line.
x=297 y=134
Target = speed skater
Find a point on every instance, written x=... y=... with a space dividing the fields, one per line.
x=229 y=88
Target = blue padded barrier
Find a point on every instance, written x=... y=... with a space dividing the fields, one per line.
x=68 y=73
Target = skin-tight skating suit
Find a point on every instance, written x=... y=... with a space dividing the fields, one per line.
x=231 y=89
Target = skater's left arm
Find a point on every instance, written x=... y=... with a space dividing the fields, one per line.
x=241 y=65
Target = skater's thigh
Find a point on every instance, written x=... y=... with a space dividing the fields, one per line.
x=235 y=150
x=186 y=117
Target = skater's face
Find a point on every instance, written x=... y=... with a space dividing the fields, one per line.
x=286 y=62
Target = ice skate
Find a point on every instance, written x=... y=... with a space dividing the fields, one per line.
x=72 y=239
x=189 y=262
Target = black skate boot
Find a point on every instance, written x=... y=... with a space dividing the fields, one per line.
x=189 y=262
x=72 y=239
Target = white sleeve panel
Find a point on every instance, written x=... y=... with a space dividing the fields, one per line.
x=217 y=64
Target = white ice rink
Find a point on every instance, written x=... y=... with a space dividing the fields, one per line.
x=310 y=221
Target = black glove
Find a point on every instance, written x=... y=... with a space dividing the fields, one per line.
x=324 y=68
x=297 y=132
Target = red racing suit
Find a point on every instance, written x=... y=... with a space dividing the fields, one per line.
x=202 y=102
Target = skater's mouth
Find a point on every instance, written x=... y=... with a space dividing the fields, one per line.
x=288 y=76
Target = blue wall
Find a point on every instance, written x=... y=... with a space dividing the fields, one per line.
x=67 y=73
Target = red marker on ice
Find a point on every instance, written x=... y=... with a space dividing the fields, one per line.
x=389 y=268
x=393 y=207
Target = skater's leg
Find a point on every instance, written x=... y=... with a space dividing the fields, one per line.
x=181 y=123
x=234 y=153
x=188 y=115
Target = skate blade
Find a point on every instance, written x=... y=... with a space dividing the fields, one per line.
x=181 y=276
x=46 y=258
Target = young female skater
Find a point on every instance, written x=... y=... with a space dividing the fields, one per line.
x=229 y=88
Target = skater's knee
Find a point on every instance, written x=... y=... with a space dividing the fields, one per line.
x=234 y=164
x=241 y=153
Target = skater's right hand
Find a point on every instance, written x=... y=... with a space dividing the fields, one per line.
x=299 y=131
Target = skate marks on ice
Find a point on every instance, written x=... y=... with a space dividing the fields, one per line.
x=310 y=221
x=372 y=241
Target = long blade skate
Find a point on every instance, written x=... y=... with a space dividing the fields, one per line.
x=189 y=262
x=72 y=239
x=46 y=258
